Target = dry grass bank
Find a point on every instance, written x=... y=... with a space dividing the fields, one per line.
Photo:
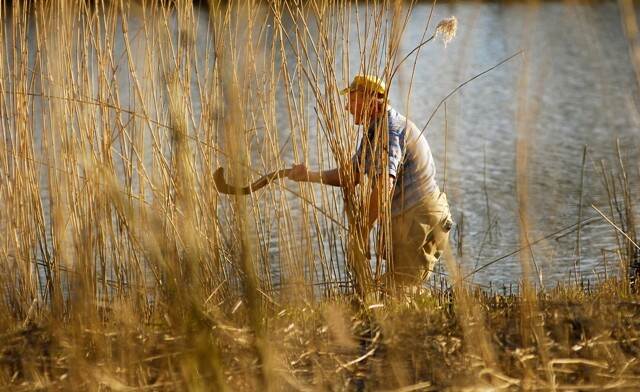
x=591 y=339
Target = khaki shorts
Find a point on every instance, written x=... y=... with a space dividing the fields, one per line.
x=418 y=238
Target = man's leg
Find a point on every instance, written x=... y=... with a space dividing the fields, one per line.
x=418 y=239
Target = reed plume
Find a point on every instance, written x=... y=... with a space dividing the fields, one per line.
x=446 y=29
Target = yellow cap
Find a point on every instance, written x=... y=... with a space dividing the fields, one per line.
x=366 y=83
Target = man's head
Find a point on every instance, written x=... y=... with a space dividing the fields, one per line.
x=366 y=98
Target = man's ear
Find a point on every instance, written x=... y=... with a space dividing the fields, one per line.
x=374 y=104
x=379 y=104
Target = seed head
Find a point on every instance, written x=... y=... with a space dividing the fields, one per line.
x=447 y=29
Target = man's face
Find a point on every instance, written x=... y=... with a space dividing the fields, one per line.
x=358 y=106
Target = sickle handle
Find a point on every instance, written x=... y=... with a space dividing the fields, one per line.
x=224 y=187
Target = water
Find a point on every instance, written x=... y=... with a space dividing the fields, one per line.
x=574 y=81
x=575 y=86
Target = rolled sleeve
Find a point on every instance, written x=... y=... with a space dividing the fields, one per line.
x=395 y=152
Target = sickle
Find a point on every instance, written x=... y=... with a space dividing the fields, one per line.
x=223 y=187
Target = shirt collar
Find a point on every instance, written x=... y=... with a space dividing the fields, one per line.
x=375 y=123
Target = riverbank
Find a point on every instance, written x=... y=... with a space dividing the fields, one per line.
x=572 y=339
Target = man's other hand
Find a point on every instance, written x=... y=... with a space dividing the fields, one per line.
x=299 y=173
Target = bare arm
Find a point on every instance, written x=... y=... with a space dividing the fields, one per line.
x=329 y=177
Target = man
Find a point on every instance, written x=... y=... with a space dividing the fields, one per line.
x=420 y=217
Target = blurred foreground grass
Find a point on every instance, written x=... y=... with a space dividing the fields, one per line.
x=592 y=338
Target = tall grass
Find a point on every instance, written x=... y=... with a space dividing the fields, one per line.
x=121 y=266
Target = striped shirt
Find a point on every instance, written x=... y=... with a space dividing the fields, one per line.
x=409 y=160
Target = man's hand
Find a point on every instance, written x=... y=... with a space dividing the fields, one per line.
x=299 y=173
